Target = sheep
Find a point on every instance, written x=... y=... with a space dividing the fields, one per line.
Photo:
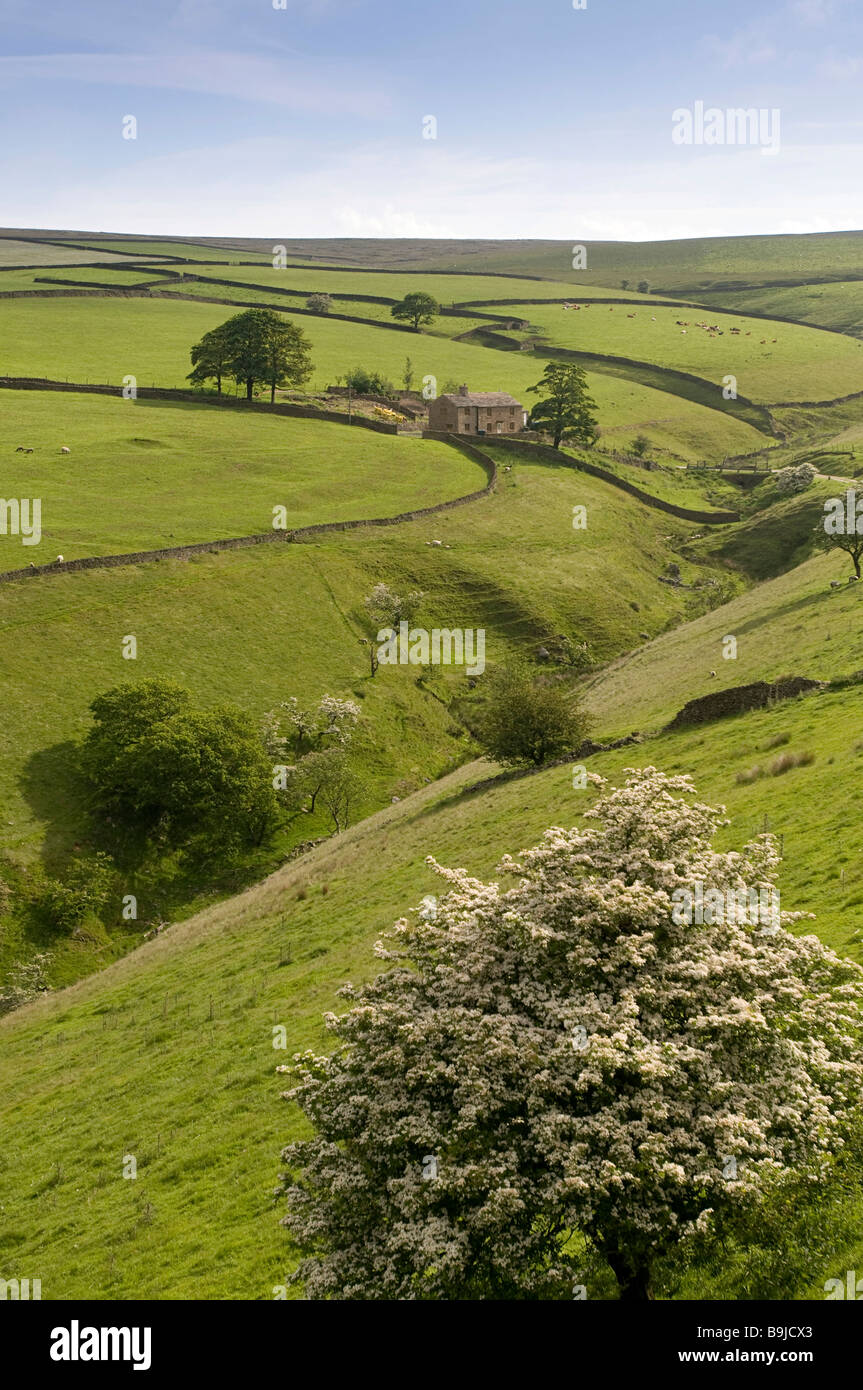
x=853 y=579
x=835 y=584
x=64 y=450
x=59 y=560
x=437 y=542
x=20 y=449
x=28 y=451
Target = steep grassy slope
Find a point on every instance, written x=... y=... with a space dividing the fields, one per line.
x=257 y=625
x=168 y=1055
x=142 y=474
x=792 y=625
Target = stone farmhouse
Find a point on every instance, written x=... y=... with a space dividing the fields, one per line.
x=477 y=412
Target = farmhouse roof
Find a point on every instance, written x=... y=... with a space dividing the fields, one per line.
x=480 y=398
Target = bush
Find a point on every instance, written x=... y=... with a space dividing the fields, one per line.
x=366 y=383
x=796 y=478
x=319 y=303
x=26 y=981
x=526 y=723
x=63 y=904
x=786 y=761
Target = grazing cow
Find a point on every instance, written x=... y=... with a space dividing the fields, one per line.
x=64 y=450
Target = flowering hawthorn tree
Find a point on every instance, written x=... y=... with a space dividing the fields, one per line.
x=570 y=1061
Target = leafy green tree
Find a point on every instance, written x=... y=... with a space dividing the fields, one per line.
x=123 y=720
x=841 y=526
x=565 y=408
x=319 y=303
x=159 y=768
x=327 y=776
x=210 y=359
x=417 y=308
x=644 y=287
x=640 y=445
x=258 y=345
x=408 y=374
x=525 y=722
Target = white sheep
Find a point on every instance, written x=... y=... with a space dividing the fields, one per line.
x=64 y=450
x=835 y=584
x=59 y=560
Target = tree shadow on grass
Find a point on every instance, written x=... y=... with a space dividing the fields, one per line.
x=54 y=789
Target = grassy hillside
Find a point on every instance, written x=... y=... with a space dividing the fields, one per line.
x=76 y=339
x=792 y=625
x=179 y=1034
x=165 y=1052
x=837 y=305
x=771 y=362
x=143 y=475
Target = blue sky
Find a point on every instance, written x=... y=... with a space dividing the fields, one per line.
x=308 y=120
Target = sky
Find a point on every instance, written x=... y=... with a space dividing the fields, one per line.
x=429 y=118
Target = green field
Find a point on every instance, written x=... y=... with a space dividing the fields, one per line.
x=13 y=252
x=446 y=289
x=771 y=362
x=77 y=339
x=143 y=475
x=837 y=305
x=676 y=267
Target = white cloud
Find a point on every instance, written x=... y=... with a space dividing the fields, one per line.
x=321 y=87
x=261 y=188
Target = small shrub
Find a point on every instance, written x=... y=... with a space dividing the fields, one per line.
x=750 y=774
x=776 y=741
x=786 y=761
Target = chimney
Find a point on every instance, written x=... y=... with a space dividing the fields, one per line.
x=462 y=390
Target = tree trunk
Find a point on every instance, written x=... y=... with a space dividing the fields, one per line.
x=249 y=384
x=634 y=1282
x=272 y=392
